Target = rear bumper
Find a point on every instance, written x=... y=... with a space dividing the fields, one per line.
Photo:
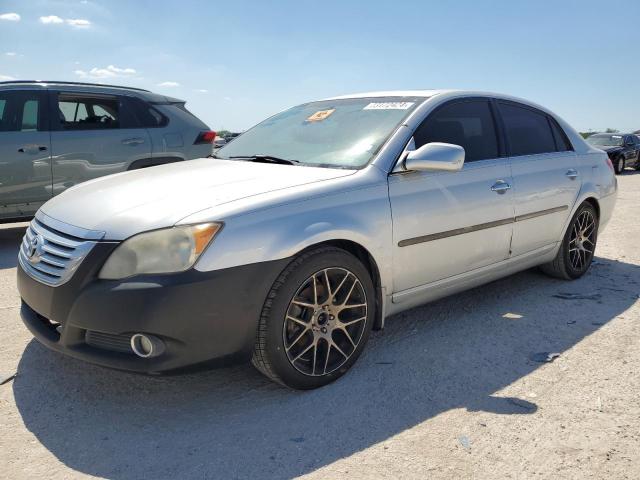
x=200 y=316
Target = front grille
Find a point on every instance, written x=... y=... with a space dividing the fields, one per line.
x=50 y=256
x=108 y=341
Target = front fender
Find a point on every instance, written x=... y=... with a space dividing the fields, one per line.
x=362 y=216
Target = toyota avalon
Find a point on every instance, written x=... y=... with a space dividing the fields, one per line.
x=309 y=230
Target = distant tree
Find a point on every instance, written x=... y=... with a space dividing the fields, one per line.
x=223 y=133
x=611 y=130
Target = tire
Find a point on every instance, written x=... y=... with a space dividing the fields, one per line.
x=572 y=261
x=619 y=164
x=292 y=341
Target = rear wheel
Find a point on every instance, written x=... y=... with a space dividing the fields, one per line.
x=578 y=246
x=316 y=320
x=619 y=165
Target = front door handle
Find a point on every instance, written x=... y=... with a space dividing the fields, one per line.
x=572 y=173
x=32 y=149
x=133 y=141
x=500 y=187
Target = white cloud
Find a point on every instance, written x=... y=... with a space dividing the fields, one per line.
x=202 y=90
x=11 y=54
x=4 y=78
x=169 y=84
x=110 y=72
x=10 y=17
x=73 y=22
x=51 y=19
x=78 y=22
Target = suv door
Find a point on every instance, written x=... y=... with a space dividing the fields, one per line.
x=93 y=135
x=448 y=223
x=25 y=163
x=546 y=176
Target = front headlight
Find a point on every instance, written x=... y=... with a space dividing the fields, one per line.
x=161 y=251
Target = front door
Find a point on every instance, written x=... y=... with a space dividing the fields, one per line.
x=25 y=163
x=448 y=223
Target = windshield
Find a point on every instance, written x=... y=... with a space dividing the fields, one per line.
x=606 y=140
x=332 y=133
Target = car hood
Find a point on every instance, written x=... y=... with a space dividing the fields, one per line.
x=124 y=204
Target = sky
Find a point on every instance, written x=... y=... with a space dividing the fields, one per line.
x=237 y=62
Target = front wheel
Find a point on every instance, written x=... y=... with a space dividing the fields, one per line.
x=578 y=245
x=316 y=319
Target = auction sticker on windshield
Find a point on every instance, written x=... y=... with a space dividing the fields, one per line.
x=389 y=106
x=320 y=115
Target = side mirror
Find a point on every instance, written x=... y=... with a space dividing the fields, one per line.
x=443 y=157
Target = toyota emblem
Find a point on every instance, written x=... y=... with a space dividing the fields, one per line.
x=35 y=249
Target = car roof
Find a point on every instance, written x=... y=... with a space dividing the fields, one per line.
x=609 y=134
x=393 y=93
x=84 y=86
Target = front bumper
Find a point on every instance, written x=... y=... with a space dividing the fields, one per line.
x=200 y=316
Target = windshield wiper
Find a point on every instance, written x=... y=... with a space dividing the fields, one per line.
x=267 y=159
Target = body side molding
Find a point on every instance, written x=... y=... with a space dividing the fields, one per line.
x=482 y=226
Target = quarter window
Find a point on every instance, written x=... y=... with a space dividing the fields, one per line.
x=468 y=124
x=528 y=131
x=562 y=142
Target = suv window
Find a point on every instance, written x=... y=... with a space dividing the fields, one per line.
x=20 y=111
x=146 y=115
x=466 y=123
x=528 y=131
x=79 y=112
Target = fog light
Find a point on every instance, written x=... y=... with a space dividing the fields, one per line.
x=146 y=346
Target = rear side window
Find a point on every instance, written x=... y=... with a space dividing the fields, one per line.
x=468 y=124
x=528 y=131
x=78 y=112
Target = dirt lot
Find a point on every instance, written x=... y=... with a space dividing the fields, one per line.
x=448 y=390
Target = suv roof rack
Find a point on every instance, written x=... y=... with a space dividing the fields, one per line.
x=9 y=82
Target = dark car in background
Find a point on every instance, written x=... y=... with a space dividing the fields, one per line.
x=623 y=149
x=54 y=135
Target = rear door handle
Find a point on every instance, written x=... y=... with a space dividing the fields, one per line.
x=500 y=187
x=133 y=141
x=572 y=173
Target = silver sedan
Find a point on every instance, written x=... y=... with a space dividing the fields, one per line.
x=307 y=231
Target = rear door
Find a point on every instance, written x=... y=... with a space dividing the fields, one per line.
x=93 y=135
x=545 y=172
x=25 y=164
x=448 y=223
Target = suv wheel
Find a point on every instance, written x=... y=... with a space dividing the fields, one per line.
x=578 y=246
x=316 y=319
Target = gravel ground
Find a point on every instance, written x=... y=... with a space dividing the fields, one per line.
x=448 y=390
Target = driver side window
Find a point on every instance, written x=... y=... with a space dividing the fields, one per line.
x=468 y=123
x=79 y=112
